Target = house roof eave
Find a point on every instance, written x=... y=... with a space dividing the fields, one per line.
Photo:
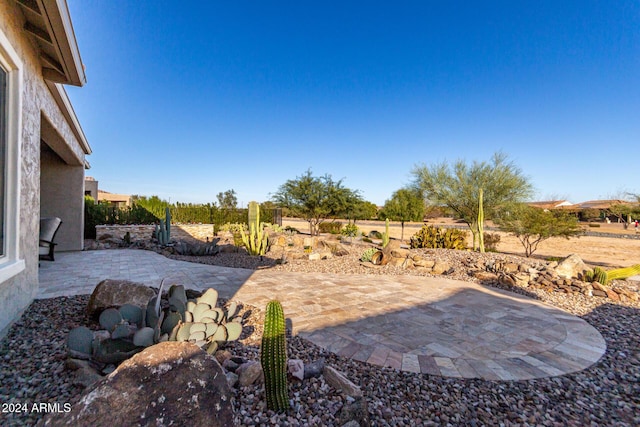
x=62 y=99
x=49 y=22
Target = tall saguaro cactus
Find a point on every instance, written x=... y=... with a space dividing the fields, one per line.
x=254 y=213
x=480 y=221
x=385 y=235
x=163 y=230
x=167 y=217
x=273 y=357
x=257 y=241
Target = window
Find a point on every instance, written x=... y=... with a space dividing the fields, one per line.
x=10 y=140
x=3 y=143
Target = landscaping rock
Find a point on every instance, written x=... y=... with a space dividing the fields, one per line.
x=249 y=373
x=84 y=372
x=232 y=379
x=571 y=267
x=355 y=412
x=314 y=369
x=485 y=276
x=425 y=263
x=114 y=293
x=337 y=380
x=440 y=267
x=295 y=368
x=168 y=383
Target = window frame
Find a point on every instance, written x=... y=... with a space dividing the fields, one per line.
x=10 y=262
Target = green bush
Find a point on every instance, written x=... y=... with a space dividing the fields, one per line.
x=491 y=241
x=439 y=238
x=291 y=230
x=374 y=234
x=349 y=230
x=234 y=227
x=333 y=227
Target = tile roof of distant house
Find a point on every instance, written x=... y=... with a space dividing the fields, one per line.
x=550 y=204
x=602 y=204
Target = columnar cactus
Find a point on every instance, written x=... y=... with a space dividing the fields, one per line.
x=385 y=236
x=604 y=277
x=254 y=213
x=163 y=231
x=273 y=357
x=480 y=221
x=167 y=216
x=257 y=241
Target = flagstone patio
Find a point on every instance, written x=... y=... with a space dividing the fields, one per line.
x=430 y=325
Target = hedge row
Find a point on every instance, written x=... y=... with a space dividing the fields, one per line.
x=101 y=214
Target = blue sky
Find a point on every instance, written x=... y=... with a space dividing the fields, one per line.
x=186 y=99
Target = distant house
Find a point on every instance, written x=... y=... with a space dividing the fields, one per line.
x=551 y=204
x=92 y=189
x=115 y=200
x=602 y=204
x=43 y=148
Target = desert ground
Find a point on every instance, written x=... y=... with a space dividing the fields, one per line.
x=593 y=249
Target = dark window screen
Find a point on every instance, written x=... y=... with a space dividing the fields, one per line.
x=3 y=151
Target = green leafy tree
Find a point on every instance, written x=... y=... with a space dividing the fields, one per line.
x=404 y=205
x=625 y=212
x=533 y=225
x=227 y=200
x=316 y=199
x=363 y=210
x=458 y=186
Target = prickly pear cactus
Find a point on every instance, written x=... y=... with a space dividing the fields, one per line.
x=368 y=254
x=273 y=357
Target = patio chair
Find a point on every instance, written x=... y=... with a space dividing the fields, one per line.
x=48 y=229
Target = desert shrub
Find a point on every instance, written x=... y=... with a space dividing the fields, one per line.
x=439 y=238
x=367 y=254
x=332 y=227
x=367 y=240
x=594 y=225
x=349 y=230
x=234 y=227
x=491 y=241
x=273 y=227
x=374 y=234
x=290 y=231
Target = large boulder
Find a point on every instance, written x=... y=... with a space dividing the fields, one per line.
x=114 y=293
x=571 y=267
x=171 y=383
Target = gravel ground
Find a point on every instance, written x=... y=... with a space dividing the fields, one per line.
x=608 y=393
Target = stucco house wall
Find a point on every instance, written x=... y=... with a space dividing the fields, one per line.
x=42 y=120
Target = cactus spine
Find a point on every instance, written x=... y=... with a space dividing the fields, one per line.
x=273 y=357
x=480 y=221
x=385 y=236
x=257 y=240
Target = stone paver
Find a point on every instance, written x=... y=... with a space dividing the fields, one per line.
x=434 y=326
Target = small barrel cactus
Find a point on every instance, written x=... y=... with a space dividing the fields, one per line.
x=273 y=357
